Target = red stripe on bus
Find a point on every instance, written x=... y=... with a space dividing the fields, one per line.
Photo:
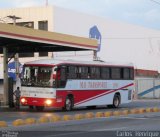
x=108 y=92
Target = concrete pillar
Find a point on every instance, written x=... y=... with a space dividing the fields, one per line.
x=94 y=55
x=16 y=59
x=5 y=73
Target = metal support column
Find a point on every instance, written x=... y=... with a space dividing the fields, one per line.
x=5 y=73
x=94 y=55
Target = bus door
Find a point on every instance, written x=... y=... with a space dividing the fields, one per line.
x=60 y=76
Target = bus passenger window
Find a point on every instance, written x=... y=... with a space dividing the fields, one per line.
x=126 y=73
x=105 y=73
x=116 y=73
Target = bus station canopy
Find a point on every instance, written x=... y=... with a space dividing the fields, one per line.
x=21 y=40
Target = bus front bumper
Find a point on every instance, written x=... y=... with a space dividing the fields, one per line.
x=50 y=102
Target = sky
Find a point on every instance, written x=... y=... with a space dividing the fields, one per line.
x=141 y=12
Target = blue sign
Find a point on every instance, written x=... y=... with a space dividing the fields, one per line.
x=95 y=33
x=12 y=70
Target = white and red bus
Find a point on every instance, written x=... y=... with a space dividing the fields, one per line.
x=69 y=84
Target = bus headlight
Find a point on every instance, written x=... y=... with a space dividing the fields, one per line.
x=48 y=102
x=23 y=100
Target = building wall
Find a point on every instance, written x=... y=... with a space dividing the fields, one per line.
x=120 y=41
x=147 y=87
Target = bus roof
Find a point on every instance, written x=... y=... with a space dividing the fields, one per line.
x=53 y=62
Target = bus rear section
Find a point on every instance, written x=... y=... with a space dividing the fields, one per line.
x=69 y=85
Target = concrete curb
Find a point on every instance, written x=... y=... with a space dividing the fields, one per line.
x=3 y=124
x=43 y=120
x=133 y=111
x=99 y=114
x=108 y=113
x=88 y=115
x=67 y=117
x=141 y=110
x=155 y=109
x=18 y=122
x=79 y=116
x=117 y=113
x=125 y=112
x=148 y=110
x=30 y=121
x=55 y=118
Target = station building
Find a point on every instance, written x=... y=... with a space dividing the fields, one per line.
x=118 y=41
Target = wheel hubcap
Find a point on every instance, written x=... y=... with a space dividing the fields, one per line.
x=116 y=102
x=68 y=104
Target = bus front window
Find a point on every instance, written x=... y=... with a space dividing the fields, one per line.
x=37 y=76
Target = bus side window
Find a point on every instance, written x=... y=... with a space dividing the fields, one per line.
x=72 y=72
x=126 y=73
x=62 y=74
x=105 y=73
x=95 y=72
x=131 y=73
x=83 y=72
x=116 y=73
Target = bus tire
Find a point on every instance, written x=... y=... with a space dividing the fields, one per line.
x=68 y=103
x=39 y=108
x=116 y=101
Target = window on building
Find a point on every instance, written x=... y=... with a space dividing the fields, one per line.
x=43 y=54
x=22 y=55
x=43 y=25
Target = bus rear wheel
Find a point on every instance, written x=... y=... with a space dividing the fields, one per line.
x=116 y=101
x=68 y=104
x=39 y=108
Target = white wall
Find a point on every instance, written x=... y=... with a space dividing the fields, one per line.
x=120 y=41
x=148 y=88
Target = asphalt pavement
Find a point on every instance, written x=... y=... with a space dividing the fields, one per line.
x=146 y=125
x=98 y=127
x=11 y=114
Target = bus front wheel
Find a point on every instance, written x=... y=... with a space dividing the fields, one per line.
x=68 y=104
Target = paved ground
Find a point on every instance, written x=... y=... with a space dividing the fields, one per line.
x=131 y=125
x=11 y=114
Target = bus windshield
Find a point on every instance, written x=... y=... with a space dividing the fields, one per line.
x=37 y=76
